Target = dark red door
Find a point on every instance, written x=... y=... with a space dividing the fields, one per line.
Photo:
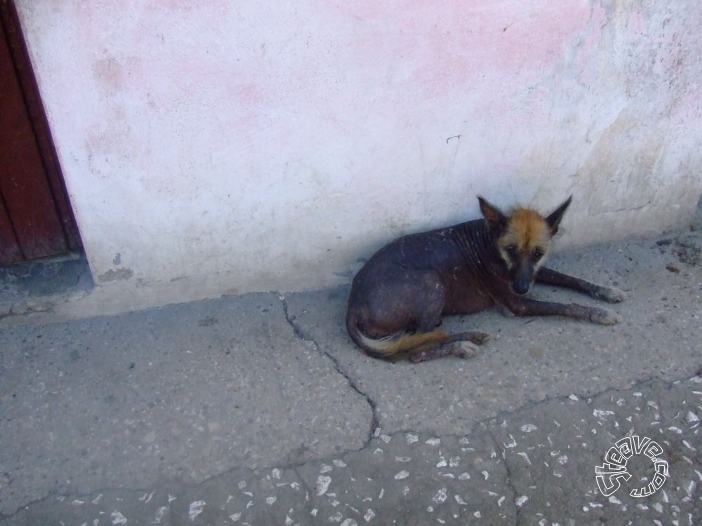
x=35 y=217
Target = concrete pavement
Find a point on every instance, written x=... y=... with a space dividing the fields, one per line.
x=258 y=410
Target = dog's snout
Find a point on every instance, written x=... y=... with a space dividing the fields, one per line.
x=522 y=277
x=521 y=286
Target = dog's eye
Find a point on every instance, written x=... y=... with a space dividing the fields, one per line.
x=538 y=253
x=511 y=250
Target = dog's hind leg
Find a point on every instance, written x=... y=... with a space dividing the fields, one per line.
x=462 y=345
x=463 y=349
x=600 y=292
x=475 y=337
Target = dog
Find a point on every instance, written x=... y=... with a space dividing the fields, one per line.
x=398 y=297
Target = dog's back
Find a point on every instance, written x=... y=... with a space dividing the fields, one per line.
x=399 y=295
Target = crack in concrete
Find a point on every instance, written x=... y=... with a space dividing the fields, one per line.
x=309 y=491
x=374 y=428
x=500 y=450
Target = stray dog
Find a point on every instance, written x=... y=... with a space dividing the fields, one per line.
x=398 y=297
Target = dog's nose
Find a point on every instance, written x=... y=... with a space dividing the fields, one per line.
x=520 y=287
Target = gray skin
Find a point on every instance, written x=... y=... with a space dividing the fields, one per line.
x=408 y=285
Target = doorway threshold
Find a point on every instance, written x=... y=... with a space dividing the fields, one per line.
x=40 y=285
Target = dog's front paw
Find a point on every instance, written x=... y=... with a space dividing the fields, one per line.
x=610 y=294
x=505 y=311
x=605 y=317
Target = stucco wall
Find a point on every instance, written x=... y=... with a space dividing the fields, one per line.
x=217 y=147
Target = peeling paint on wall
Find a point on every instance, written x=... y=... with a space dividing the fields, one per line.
x=115 y=275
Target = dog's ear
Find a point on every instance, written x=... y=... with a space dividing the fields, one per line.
x=554 y=218
x=496 y=220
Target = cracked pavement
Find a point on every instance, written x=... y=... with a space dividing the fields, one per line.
x=259 y=410
x=339 y=369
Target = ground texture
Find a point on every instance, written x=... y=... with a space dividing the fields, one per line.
x=259 y=410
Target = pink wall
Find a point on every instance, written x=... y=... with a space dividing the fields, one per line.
x=224 y=146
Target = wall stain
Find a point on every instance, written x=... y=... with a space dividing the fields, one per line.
x=116 y=275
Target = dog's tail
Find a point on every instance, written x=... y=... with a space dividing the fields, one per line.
x=400 y=343
x=403 y=343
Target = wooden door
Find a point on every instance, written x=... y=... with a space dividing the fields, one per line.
x=35 y=217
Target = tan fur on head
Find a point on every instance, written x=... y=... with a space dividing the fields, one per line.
x=527 y=235
x=522 y=239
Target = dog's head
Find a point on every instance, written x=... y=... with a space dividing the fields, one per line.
x=522 y=238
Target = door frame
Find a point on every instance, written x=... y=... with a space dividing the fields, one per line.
x=10 y=21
